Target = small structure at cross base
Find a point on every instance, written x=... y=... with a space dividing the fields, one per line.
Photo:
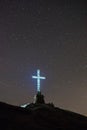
x=39 y=98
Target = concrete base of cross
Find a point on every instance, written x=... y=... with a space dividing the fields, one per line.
x=39 y=98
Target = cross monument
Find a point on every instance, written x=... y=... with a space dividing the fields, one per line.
x=38 y=77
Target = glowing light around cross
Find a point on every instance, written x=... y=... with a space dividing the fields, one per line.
x=38 y=77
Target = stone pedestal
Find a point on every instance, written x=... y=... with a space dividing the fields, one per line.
x=39 y=98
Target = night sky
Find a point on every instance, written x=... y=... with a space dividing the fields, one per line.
x=50 y=35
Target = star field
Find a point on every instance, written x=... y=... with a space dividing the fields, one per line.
x=46 y=35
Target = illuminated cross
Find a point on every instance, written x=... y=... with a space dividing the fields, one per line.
x=38 y=77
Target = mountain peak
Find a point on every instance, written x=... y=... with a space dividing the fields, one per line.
x=40 y=116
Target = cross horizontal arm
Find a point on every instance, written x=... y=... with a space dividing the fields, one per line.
x=42 y=78
x=35 y=77
x=38 y=77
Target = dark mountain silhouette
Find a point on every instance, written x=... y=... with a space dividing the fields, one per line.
x=41 y=117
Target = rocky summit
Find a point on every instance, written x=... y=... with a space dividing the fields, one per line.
x=39 y=116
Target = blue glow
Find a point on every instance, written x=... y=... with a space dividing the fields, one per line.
x=38 y=77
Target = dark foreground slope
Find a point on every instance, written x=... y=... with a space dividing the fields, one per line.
x=41 y=117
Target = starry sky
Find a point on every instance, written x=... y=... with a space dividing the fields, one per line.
x=50 y=35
